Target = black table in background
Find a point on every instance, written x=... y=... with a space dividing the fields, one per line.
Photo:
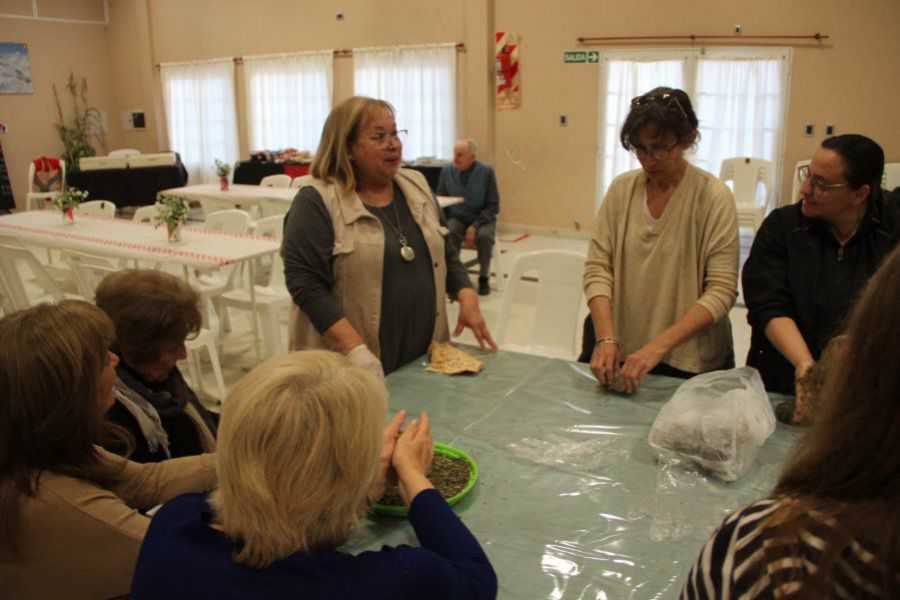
x=431 y=174
x=130 y=186
x=251 y=172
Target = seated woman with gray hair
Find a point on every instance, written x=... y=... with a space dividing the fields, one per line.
x=301 y=450
x=153 y=314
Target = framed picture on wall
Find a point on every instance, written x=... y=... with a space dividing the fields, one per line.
x=15 y=69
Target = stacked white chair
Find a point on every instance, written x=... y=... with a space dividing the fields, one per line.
x=281 y=181
x=272 y=300
x=891 y=177
x=746 y=173
x=25 y=280
x=269 y=207
x=560 y=295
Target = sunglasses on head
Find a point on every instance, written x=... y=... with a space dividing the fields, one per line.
x=666 y=99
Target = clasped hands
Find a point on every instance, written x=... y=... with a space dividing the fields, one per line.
x=405 y=458
x=606 y=359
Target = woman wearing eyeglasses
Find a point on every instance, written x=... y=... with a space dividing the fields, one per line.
x=365 y=257
x=661 y=273
x=809 y=260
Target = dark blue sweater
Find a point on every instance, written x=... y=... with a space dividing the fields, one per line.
x=183 y=557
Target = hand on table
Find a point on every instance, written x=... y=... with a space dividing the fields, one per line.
x=363 y=358
x=470 y=316
x=412 y=458
x=801 y=405
x=639 y=363
x=386 y=474
x=605 y=362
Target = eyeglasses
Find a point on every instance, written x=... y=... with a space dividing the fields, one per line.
x=817 y=186
x=665 y=99
x=383 y=138
x=658 y=152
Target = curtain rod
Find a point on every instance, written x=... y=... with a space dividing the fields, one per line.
x=238 y=60
x=693 y=37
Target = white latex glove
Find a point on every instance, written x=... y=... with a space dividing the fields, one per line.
x=363 y=358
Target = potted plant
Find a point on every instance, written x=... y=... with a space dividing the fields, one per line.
x=86 y=123
x=66 y=202
x=223 y=170
x=173 y=211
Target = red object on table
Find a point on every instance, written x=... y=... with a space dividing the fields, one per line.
x=295 y=170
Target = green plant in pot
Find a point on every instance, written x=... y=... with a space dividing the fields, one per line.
x=223 y=170
x=173 y=211
x=85 y=123
x=67 y=201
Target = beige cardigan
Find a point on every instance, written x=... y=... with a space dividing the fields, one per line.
x=80 y=540
x=655 y=274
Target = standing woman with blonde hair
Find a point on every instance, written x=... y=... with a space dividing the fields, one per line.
x=301 y=450
x=68 y=520
x=832 y=525
x=366 y=258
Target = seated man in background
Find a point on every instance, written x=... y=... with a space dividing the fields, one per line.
x=153 y=314
x=473 y=222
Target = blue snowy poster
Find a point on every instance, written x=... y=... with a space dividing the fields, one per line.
x=15 y=70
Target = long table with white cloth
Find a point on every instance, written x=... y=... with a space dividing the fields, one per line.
x=570 y=501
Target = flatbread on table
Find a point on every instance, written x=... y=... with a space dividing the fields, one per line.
x=450 y=360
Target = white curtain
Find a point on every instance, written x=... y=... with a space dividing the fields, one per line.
x=288 y=99
x=623 y=80
x=201 y=114
x=740 y=104
x=420 y=82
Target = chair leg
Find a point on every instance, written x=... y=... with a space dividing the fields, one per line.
x=217 y=370
x=498 y=264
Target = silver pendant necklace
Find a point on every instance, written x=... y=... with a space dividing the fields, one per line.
x=406 y=251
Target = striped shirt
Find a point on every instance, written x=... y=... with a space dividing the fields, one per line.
x=744 y=561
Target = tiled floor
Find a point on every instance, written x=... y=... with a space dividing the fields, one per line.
x=239 y=357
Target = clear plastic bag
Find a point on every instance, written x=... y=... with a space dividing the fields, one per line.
x=718 y=420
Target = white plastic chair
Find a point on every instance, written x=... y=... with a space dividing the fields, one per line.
x=213 y=205
x=272 y=300
x=22 y=293
x=145 y=213
x=125 y=152
x=88 y=270
x=280 y=181
x=891 y=178
x=560 y=294
x=35 y=199
x=298 y=181
x=205 y=340
x=746 y=173
x=97 y=208
x=269 y=207
x=795 y=186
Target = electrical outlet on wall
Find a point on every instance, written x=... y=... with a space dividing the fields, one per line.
x=563 y=120
x=829 y=129
x=809 y=129
x=3 y=128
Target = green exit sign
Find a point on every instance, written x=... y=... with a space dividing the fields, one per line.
x=581 y=56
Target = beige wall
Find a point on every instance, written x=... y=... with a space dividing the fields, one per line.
x=546 y=171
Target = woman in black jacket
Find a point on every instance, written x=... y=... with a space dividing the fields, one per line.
x=810 y=260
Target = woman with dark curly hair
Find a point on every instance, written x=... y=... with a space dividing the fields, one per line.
x=662 y=266
x=154 y=313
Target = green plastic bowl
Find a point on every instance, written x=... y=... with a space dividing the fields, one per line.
x=446 y=450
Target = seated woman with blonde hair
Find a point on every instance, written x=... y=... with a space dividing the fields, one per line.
x=832 y=526
x=301 y=449
x=69 y=527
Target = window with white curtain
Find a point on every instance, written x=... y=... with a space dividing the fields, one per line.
x=288 y=99
x=420 y=82
x=201 y=114
x=739 y=95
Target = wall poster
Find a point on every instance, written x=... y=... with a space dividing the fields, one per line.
x=509 y=85
x=15 y=69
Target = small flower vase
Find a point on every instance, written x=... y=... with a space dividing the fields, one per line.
x=174 y=232
x=223 y=184
x=68 y=215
